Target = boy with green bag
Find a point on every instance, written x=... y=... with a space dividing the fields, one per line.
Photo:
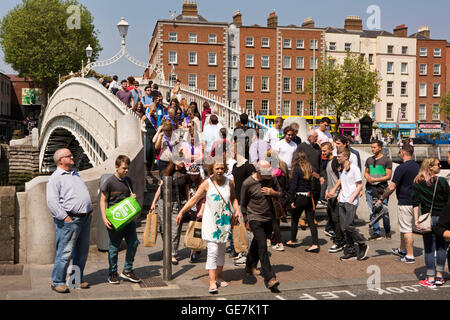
x=117 y=188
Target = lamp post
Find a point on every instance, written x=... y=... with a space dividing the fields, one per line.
x=122 y=26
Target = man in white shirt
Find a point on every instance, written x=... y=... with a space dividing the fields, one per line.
x=211 y=133
x=322 y=132
x=286 y=147
x=351 y=186
x=275 y=133
x=114 y=85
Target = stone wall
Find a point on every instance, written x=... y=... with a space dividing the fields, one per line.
x=23 y=164
x=8 y=226
x=4 y=164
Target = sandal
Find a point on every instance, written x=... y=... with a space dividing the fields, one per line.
x=213 y=290
x=222 y=284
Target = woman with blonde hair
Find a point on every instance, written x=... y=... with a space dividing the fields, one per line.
x=165 y=141
x=300 y=194
x=431 y=193
x=221 y=211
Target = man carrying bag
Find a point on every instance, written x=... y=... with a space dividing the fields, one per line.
x=117 y=188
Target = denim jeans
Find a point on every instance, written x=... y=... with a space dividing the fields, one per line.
x=115 y=238
x=72 y=243
x=432 y=244
x=386 y=222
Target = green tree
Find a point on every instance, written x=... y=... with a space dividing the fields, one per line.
x=444 y=107
x=350 y=87
x=38 y=42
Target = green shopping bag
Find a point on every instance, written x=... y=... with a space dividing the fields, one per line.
x=123 y=212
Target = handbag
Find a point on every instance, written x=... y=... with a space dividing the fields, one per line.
x=425 y=219
x=123 y=212
x=151 y=229
x=193 y=237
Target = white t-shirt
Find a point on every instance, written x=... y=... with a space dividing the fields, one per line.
x=211 y=133
x=285 y=151
x=353 y=158
x=348 y=183
x=323 y=137
x=273 y=135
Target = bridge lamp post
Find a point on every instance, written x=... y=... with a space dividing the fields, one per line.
x=123 y=29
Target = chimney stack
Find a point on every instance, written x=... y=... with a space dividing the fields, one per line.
x=353 y=23
x=189 y=8
x=401 y=31
x=308 y=23
x=425 y=31
x=237 y=19
x=272 y=20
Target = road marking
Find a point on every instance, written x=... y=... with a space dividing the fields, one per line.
x=280 y=297
x=221 y=299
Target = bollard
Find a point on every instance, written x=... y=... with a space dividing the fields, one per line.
x=167 y=228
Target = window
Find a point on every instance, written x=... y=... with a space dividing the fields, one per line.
x=389 y=90
x=286 y=107
x=437 y=52
x=300 y=63
x=192 y=57
x=212 y=59
x=172 y=57
x=286 y=62
x=437 y=70
x=172 y=79
x=300 y=44
x=423 y=52
x=313 y=45
x=313 y=65
x=403 y=111
x=286 y=84
x=370 y=57
x=249 y=42
x=232 y=62
x=389 y=111
x=287 y=43
x=192 y=81
x=265 y=84
x=264 y=61
x=248 y=106
x=390 y=49
x=403 y=90
x=265 y=42
x=422 y=111
x=231 y=38
x=436 y=89
x=299 y=108
x=192 y=37
x=423 y=69
x=422 y=90
x=390 y=67
x=212 y=38
x=348 y=46
x=332 y=46
x=249 y=83
x=212 y=82
x=264 y=107
x=299 y=85
x=436 y=112
x=404 y=68
x=404 y=50
x=172 y=36
x=249 y=61
x=234 y=84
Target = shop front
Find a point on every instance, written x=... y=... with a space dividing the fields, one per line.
x=350 y=129
x=407 y=130
x=430 y=127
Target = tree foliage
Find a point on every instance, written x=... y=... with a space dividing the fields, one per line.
x=351 y=87
x=444 y=106
x=38 y=43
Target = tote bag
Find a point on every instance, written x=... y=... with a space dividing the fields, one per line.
x=151 y=229
x=193 y=237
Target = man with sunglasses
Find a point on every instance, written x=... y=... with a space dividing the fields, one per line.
x=147 y=99
x=70 y=204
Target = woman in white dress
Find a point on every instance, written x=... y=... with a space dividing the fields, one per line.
x=218 y=218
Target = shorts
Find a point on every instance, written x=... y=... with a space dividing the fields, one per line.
x=405 y=219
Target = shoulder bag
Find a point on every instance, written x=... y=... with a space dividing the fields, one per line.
x=425 y=219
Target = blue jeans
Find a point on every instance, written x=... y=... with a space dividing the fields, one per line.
x=432 y=244
x=115 y=238
x=386 y=222
x=72 y=242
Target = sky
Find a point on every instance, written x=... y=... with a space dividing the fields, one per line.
x=142 y=16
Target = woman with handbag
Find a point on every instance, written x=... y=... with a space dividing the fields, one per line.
x=218 y=218
x=431 y=193
x=301 y=199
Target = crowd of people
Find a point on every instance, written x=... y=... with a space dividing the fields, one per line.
x=247 y=176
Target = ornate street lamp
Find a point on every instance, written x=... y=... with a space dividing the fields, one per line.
x=123 y=29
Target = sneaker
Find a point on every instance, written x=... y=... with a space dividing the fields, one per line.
x=440 y=281
x=278 y=247
x=239 y=256
x=233 y=254
x=388 y=235
x=398 y=252
x=427 y=283
x=113 y=278
x=129 y=275
x=60 y=289
x=272 y=283
x=320 y=205
x=374 y=236
x=241 y=261
x=363 y=249
x=348 y=257
x=330 y=233
x=335 y=248
x=406 y=259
